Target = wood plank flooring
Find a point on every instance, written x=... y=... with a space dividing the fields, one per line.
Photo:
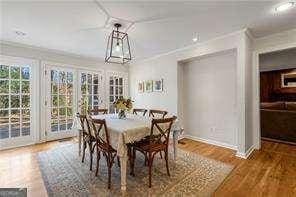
x=268 y=172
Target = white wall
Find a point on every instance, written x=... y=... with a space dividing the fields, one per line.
x=167 y=66
x=210 y=98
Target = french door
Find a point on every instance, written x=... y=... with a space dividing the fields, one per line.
x=90 y=90
x=17 y=102
x=60 y=102
x=116 y=88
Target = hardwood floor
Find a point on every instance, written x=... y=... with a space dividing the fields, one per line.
x=268 y=172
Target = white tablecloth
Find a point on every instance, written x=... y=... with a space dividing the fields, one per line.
x=123 y=131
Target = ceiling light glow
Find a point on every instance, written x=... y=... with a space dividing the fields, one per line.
x=284 y=6
x=195 y=39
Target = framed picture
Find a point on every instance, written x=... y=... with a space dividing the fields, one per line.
x=148 y=86
x=158 y=85
x=141 y=87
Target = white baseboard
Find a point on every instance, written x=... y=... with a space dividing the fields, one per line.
x=213 y=142
x=247 y=154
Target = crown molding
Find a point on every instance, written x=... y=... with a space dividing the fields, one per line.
x=59 y=52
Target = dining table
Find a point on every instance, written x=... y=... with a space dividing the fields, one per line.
x=130 y=129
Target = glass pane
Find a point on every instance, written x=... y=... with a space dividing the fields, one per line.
x=4 y=86
x=116 y=81
x=14 y=72
x=62 y=88
x=62 y=113
x=95 y=79
x=69 y=124
x=96 y=89
x=69 y=112
x=120 y=81
x=89 y=78
x=15 y=130
x=83 y=78
x=15 y=116
x=54 y=76
x=25 y=115
x=62 y=100
x=4 y=131
x=116 y=90
x=25 y=73
x=89 y=89
x=54 y=101
x=69 y=77
x=111 y=90
x=4 y=72
x=120 y=90
x=96 y=100
x=63 y=125
x=69 y=100
x=111 y=109
x=4 y=117
x=26 y=87
x=62 y=77
x=54 y=125
x=15 y=87
x=26 y=128
x=111 y=98
x=111 y=81
x=83 y=89
x=4 y=101
x=70 y=89
x=54 y=88
x=90 y=100
x=25 y=101
x=54 y=113
x=15 y=101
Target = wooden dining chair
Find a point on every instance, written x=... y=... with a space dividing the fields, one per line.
x=157 y=113
x=157 y=142
x=102 y=140
x=87 y=137
x=97 y=111
x=144 y=111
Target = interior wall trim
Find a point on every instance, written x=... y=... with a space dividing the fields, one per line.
x=212 y=142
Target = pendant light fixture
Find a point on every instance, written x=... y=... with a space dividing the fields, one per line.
x=118 y=48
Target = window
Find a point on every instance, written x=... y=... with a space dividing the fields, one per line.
x=116 y=90
x=15 y=101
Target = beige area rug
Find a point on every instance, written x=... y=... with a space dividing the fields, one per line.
x=191 y=175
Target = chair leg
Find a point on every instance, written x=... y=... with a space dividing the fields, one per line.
x=150 y=162
x=160 y=155
x=167 y=162
x=98 y=161
x=132 y=161
x=91 y=156
x=109 y=165
x=118 y=161
x=83 y=153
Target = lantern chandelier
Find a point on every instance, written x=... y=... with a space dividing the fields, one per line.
x=118 y=48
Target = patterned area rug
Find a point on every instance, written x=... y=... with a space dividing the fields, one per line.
x=191 y=175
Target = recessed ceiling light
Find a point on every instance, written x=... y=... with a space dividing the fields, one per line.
x=20 y=33
x=195 y=39
x=284 y=6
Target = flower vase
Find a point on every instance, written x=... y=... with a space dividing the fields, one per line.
x=121 y=114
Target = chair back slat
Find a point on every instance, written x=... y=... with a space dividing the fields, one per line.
x=155 y=112
x=97 y=111
x=84 y=123
x=101 y=136
x=163 y=127
x=144 y=111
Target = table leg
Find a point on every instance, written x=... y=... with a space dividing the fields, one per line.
x=79 y=142
x=175 y=143
x=123 y=163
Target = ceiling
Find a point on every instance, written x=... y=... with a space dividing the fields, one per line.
x=157 y=27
